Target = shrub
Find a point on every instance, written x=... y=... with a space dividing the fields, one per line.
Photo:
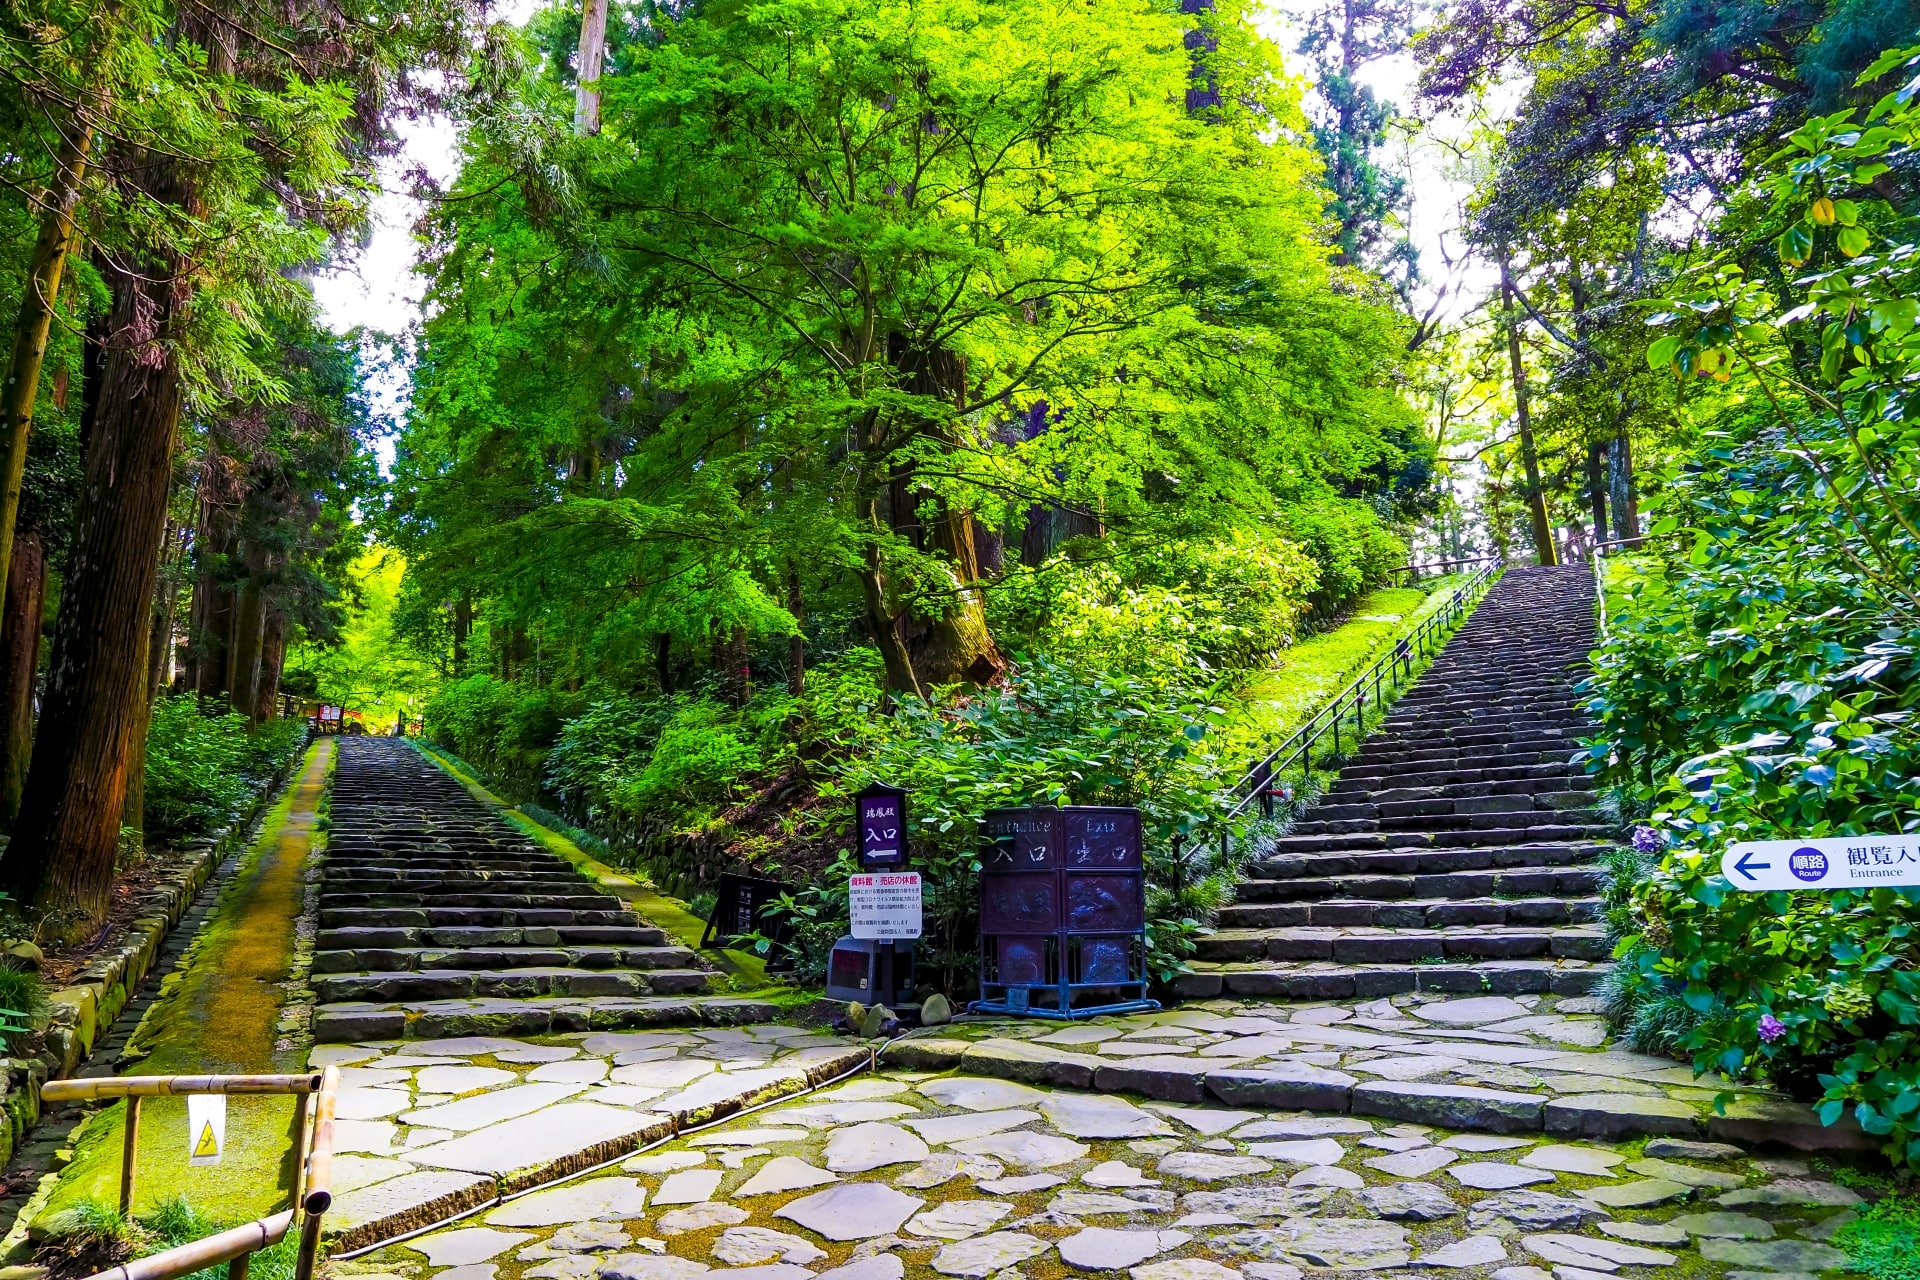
x=500 y=727
x=203 y=770
x=1351 y=549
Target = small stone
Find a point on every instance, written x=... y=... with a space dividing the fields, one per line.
x=1774 y=1255
x=1414 y=1164
x=872 y=1146
x=1302 y=1127
x=957 y=1219
x=1102 y=1249
x=585 y=1237
x=938 y=1131
x=747 y=1137
x=599 y=1198
x=1646 y=1232
x=1731 y=1275
x=1531 y=1211
x=856 y=1013
x=1080 y=1115
x=1638 y=1195
x=881 y=1266
x=1687 y=1149
x=1821 y=1230
x=1472 y=1012
x=1685 y=1174
x=1563 y=1272
x=474 y=1271
x=1207 y=1122
x=700 y=1217
x=1116 y=1173
x=852 y=1211
x=935 y=1011
x=1326 y=1175
x=1415 y=1068
x=1184 y=1269
x=468 y=1245
x=1154 y=1146
x=1270 y=1270
x=1409 y=1202
x=783 y=1173
x=457 y=1080
x=1776 y=1167
x=665 y=1162
x=972 y=1093
x=982 y=1256
x=1021 y=1185
x=1485 y=1142
x=1257 y=1201
x=1474 y=1251
x=1205 y=1166
x=1725 y=1226
x=1392 y=1142
x=1488 y=1176
x=1301 y=1151
x=644 y=1266
x=874 y=1025
x=1023 y=1150
x=1343 y=1244
x=1797 y=1191
x=690 y=1186
x=1522 y=1273
x=747 y=1246
x=1595 y=1255
x=767 y=1271
x=943 y=1167
x=1595 y=1162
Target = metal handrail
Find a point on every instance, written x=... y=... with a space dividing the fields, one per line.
x=1297 y=750
x=1417 y=569
x=312 y=1192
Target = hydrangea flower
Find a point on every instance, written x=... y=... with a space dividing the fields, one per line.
x=1647 y=840
x=1771 y=1028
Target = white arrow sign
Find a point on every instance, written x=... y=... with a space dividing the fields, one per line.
x=1831 y=862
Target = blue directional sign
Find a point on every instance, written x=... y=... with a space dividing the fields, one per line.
x=1829 y=862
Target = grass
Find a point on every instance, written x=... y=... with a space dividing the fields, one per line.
x=102 y=1236
x=1885 y=1242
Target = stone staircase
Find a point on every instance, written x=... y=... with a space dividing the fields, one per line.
x=437 y=918
x=1455 y=851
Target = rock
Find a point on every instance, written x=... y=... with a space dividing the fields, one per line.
x=1012 y=1059
x=1025 y=1150
x=456 y=1080
x=944 y=1166
x=25 y=955
x=1101 y=1249
x=467 y=1245
x=1755 y=1275
x=1449 y=1106
x=1821 y=1230
x=1595 y=1162
x=1256 y=1201
x=856 y=1014
x=1593 y=1254
x=644 y=1266
x=1646 y=1232
x=1799 y=1191
x=1281 y=1084
x=1409 y=1202
x=1685 y=1174
x=1774 y=1255
x=689 y=1186
x=745 y=1246
x=1342 y=1244
x=1414 y=1164
x=973 y=1093
x=1301 y=1151
x=1472 y=1012
x=1022 y=1185
x=1087 y=1116
x=783 y=1173
x=925 y=1053
x=747 y=1137
x=1168 y=1077
x=1184 y=1269
x=1394 y=1142
x=1778 y=1122
x=874 y=1025
x=469 y=1272
x=1116 y=1173
x=1531 y=1211
x=583 y=1237
x=1326 y=1175
x=1614 y=1117
x=1270 y=1270
x=699 y=1217
x=1302 y=1127
x=615 y=1198
x=1485 y=1142
x=1686 y=1149
x=1638 y=1195
x=938 y=1131
x=1205 y=1122
x=665 y=1162
x=1473 y=1251
x=1522 y=1273
x=1414 y=1068
x=1488 y=1176
x=881 y=1266
x=957 y=1219
x=1205 y=1166
x=872 y=1146
x=852 y=1211
x=982 y=1256
x=1080 y=1204
x=935 y=1011
x=766 y=1271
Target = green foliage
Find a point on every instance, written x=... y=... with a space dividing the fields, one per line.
x=1762 y=683
x=175 y=1221
x=23 y=999
x=1349 y=545
x=504 y=728
x=1884 y=1242
x=203 y=770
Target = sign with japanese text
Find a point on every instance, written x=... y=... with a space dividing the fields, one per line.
x=885 y=905
x=881 y=837
x=1831 y=862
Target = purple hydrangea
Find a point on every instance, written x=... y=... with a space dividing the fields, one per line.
x=1647 y=840
x=1771 y=1028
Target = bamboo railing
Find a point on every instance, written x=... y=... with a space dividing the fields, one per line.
x=311 y=1195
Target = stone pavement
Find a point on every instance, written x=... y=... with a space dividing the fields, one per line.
x=962 y=1174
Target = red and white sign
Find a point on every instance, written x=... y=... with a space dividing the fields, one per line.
x=885 y=905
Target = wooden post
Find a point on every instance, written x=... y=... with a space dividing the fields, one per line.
x=301 y=1114
x=129 y=1155
x=309 y=1247
x=237 y=1269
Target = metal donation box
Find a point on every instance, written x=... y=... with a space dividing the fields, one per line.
x=1062 y=913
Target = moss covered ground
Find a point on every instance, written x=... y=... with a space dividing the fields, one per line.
x=218 y=1013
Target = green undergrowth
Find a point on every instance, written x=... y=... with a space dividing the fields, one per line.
x=101 y=1233
x=743 y=971
x=1885 y=1242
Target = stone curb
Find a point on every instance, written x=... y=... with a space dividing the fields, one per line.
x=1612 y=1117
x=430 y=1197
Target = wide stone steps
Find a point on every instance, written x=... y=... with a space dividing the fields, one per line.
x=1457 y=849
x=439 y=919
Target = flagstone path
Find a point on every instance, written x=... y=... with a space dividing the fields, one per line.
x=967 y=1174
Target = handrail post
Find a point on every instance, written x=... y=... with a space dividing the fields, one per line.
x=129 y=1155
x=302 y=1113
x=309 y=1247
x=237 y=1269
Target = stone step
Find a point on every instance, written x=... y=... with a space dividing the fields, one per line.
x=347 y=1021
x=1361 y=777
x=1515 y=882
x=353 y=938
x=503 y=901
x=1319 y=981
x=459 y=984
x=1410 y=912
x=419 y=959
x=1361 y=944
x=1416 y=860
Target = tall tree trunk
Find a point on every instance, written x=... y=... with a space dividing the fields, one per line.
x=273 y=658
x=1597 y=492
x=731 y=662
x=593 y=53
x=1626 y=503
x=958 y=645
x=462 y=632
x=884 y=625
x=30 y=328
x=61 y=858
x=663 y=660
x=1543 y=548
x=797 y=642
x=133 y=809
x=1037 y=540
x=20 y=625
x=249 y=628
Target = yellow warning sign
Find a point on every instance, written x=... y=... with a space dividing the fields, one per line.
x=206 y=1127
x=208 y=1144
